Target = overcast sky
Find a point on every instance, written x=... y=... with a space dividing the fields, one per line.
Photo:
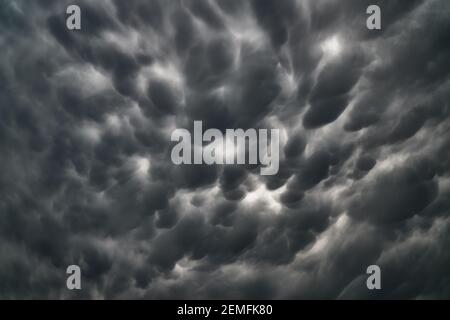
x=87 y=179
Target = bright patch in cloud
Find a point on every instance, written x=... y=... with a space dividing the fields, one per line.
x=332 y=47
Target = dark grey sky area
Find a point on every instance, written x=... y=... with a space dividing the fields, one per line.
x=86 y=175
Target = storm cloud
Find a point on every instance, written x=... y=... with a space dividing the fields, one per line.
x=87 y=179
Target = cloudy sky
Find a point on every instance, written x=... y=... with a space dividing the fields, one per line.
x=87 y=179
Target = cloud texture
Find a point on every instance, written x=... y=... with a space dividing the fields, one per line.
x=87 y=179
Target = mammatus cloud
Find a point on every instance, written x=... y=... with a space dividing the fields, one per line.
x=86 y=118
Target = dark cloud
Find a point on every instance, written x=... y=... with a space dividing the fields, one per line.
x=85 y=124
x=405 y=193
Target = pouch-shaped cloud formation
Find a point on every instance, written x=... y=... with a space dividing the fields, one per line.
x=86 y=118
